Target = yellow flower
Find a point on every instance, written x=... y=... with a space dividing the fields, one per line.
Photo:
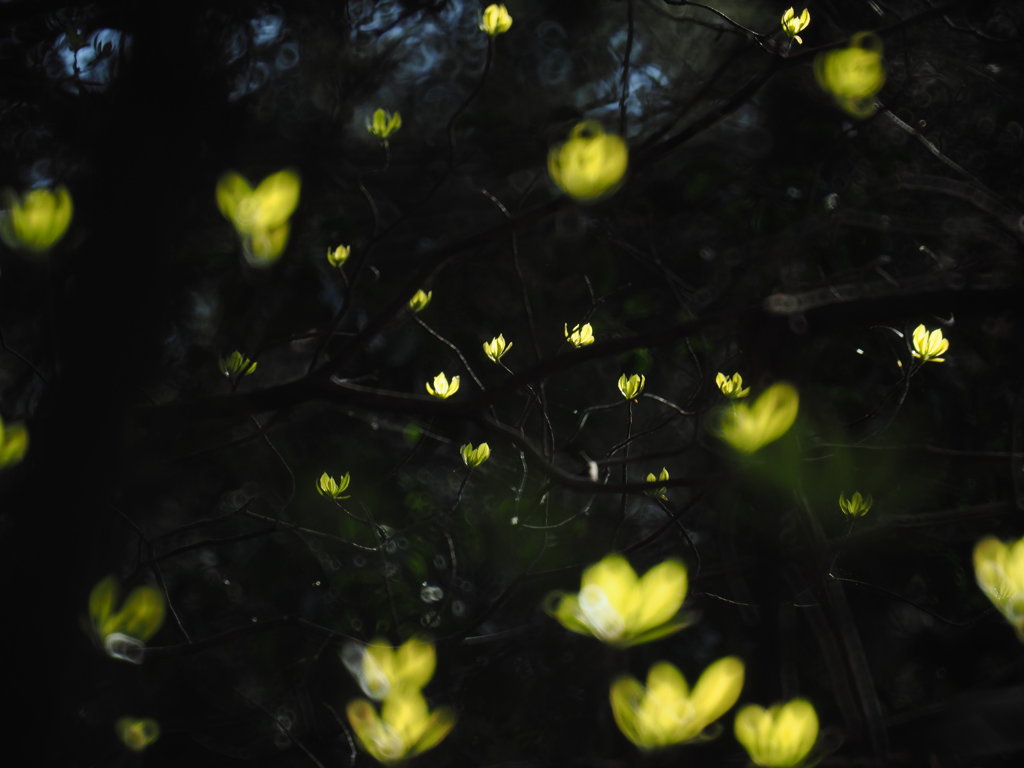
x=732 y=386
x=780 y=736
x=591 y=164
x=580 y=335
x=236 y=364
x=747 y=428
x=13 y=443
x=999 y=570
x=667 y=712
x=384 y=123
x=261 y=215
x=792 y=24
x=633 y=386
x=496 y=348
x=442 y=389
x=856 y=505
x=853 y=75
x=139 y=618
x=420 y=300
x=404 y=728
x=380 y=669
x=658 y=493
x=335 y=489
x=339 y=255
x=136 y=733
x=929 y=345
x=474 y=457
x=36 y=221
x=495 y=20
x=620 y=609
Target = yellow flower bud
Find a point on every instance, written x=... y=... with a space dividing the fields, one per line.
x=384 y=123
x=591 y=164
x=856 y=505
x=731 y=386
x=495 y=20
x=474 y=457
x=929 y=345
x=339 y=255
x=420 y=300
x=139 y=617
x=780 y=736
x=37 y=220
x=853 y=75
x=236 y=364
x=659 y=493
x=136 y=733
x=404 y=728
x=580 y=335
x=380 y=669
x=443 y=389
x=334 y=489
x=999 y=570
x=748 y=428
x=261 y=215
x=632 y=387
x=496 y=348
x=792 y=24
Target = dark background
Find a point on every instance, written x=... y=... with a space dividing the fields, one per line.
x=746 y=182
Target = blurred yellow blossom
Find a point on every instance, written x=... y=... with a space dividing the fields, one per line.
x=929 y=345
x=793 y=25
x=13 y=443
x=853 y=75
x=384 y=123
x=404 y=728
x=334 y=489
x=632 y=387
x=780 y=736
x=856 y=505
x=999 y=570
x=338 y=256
x=380 y=669
x=474 y=457
x=420 y=300
x=666 y=711
x=591 y=164
x=37 y=220
x=659 y=493
x=137 y=619
x=580 y=335
x=495 y=20
x=261 y=215
x=748 y=428
x=137 y=733
x=236 y=364
x=496 y=348
x=731 y=386
x=443 y=389
x=621 y=609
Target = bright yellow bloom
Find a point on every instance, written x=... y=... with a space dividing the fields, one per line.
x=780 y=736
x=732 y=386
x=792 y=24
x=443 y=389
x=384 y=123
x=136 y=733
x=261 y=215
x=236 y=364
x=495 y=20
x=929 y=345
x=621 y=609
x=334 y=489
x=591 y=164
x=856 y=505
x=420 y=300
x=339 y=255
x=13 y=443
x=999 y=569
x=474 y=457
x=404 y=728
x=580 y=335
x=380 y=669
x=667 y=712
x=748 y=428
x=633 y=386
x=853 y=75
x=139 y=618
x=37 y=220
x=659 y=493
x=496 y=348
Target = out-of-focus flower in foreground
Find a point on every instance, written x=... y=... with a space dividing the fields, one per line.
x=384 y=123
x=855 y=506
x=853 y=75
x=443 y=389
x=137 y=733
x=780 y=736
x=591 y=164
x=731 y=386
x=496 y=348
x=929 y=346
x=666 y=711
x=13 y=443
x=621 y=609
x=236 y=364
x=404 y=728
x=380 y=669
x=420 y=300
x=124 y=630
x=261 y=216
x=37 y=220
x=474 y=457
x=331 y=488
x=338 y=256
x=747 y=428
x=999 y=569
x=495 y=20
x=793 y=25
x=632 y=386
x=580 y=335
